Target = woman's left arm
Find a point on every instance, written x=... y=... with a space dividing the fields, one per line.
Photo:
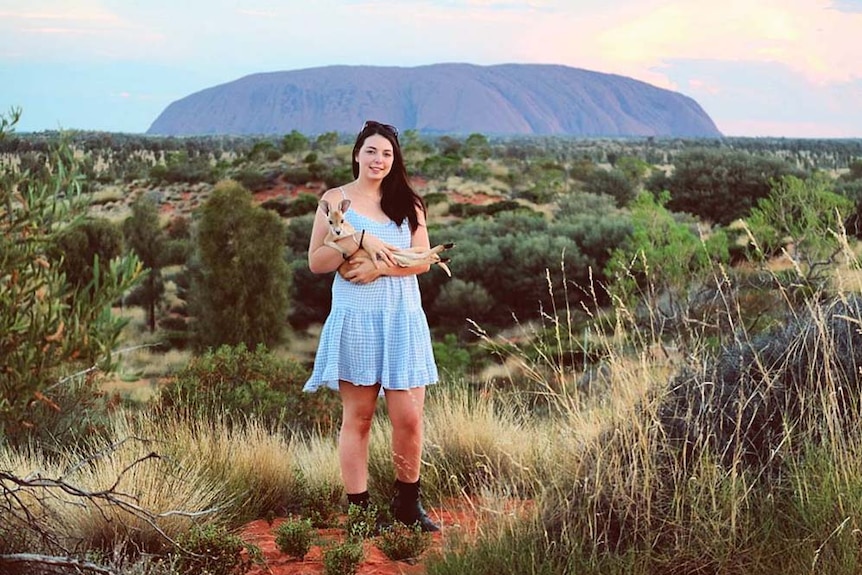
x=363 y=270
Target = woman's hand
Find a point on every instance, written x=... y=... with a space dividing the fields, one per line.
x=379 y=251
x=361 y=270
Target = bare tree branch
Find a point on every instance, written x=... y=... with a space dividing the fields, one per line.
x=51 y=561
x=17 y=508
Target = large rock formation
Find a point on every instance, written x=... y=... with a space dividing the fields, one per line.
x=505 y=99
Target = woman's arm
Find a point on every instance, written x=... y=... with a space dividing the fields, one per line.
x=364 y=270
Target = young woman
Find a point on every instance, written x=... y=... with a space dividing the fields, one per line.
x=376 y=336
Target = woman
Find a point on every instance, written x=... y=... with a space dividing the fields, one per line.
x=376 y=336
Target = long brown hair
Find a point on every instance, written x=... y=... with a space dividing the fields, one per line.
x=399 y=201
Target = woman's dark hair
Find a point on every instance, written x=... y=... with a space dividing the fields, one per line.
x=398 y=201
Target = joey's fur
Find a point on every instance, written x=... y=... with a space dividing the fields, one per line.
x=340 y=228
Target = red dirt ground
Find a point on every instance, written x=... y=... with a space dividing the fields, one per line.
x=458 y=518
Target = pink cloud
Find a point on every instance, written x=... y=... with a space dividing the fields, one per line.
x=703 y=86
x=785 y=129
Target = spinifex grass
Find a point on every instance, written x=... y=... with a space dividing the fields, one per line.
x=742 y=463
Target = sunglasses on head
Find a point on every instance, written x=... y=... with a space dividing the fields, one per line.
x=388 y=127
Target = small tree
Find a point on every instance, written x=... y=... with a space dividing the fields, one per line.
x=240 y=276
x=83 y=246
x=802 y=218
x=664 y=266
x=326 y=141
x=146 y=238
x=614 y=183
x=294 y=142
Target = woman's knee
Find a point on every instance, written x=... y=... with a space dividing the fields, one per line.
x=357 y=422
x=407 y=424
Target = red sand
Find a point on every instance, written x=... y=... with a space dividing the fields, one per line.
x=455 y=519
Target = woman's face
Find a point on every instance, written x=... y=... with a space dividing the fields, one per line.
x=375 y=157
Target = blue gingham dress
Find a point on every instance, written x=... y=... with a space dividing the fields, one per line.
x=376 y=332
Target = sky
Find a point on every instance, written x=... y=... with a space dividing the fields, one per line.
x=776 y=68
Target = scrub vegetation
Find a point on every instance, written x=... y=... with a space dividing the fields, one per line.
x=650 y=350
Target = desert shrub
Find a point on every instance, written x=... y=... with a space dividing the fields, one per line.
x=77 y=415
x=310 y=295
x=523 y=252
x=179 y=167
x=613 y=183
x=537 y=195
x=277 y=205
x=235 y=384
x=215 y=551
x=400 y=542
x=304 y=203
x=343 y=558
x=295 y=537
x=298 y=176
x=720 y=185
x=470 y=210
x=253 y=179
x=362 y=522
x=742 y=405
x=439 y=167
x=665 y=270
x=459 y=301
x=321 y=502
x=337 y=175
x=453 y=360
x=715 y=461
x=79 y=245
x=295 y=141
x=801 y=219
x=435 y=198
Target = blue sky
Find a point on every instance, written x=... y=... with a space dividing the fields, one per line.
x=758 y=67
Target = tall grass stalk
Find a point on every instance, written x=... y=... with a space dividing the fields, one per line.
x=742 y=461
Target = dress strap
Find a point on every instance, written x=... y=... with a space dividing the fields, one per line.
x=343 y=193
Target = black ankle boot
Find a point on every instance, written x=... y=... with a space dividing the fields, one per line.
x=407 y=508
x=362 y=500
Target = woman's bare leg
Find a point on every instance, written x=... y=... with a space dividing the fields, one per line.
x=405 y=412
x=358 y=403
x=405 y=409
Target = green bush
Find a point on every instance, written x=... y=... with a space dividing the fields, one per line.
x=52 y=325
x=435 y=198
x=453 y=359
x=321 y=503
x=235 y=384
x=79 y=245
x=400 y=542
x=295 y=537
x=215 y=551
x=180 y=167
x=362 y=522
x=240 y=279
x=253 y=179
x=343 y=558
x=304 y=203
x=298 y=176
x=76 y=414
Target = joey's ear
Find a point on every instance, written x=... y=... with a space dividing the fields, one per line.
x=344 y=205
x=324 y=205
